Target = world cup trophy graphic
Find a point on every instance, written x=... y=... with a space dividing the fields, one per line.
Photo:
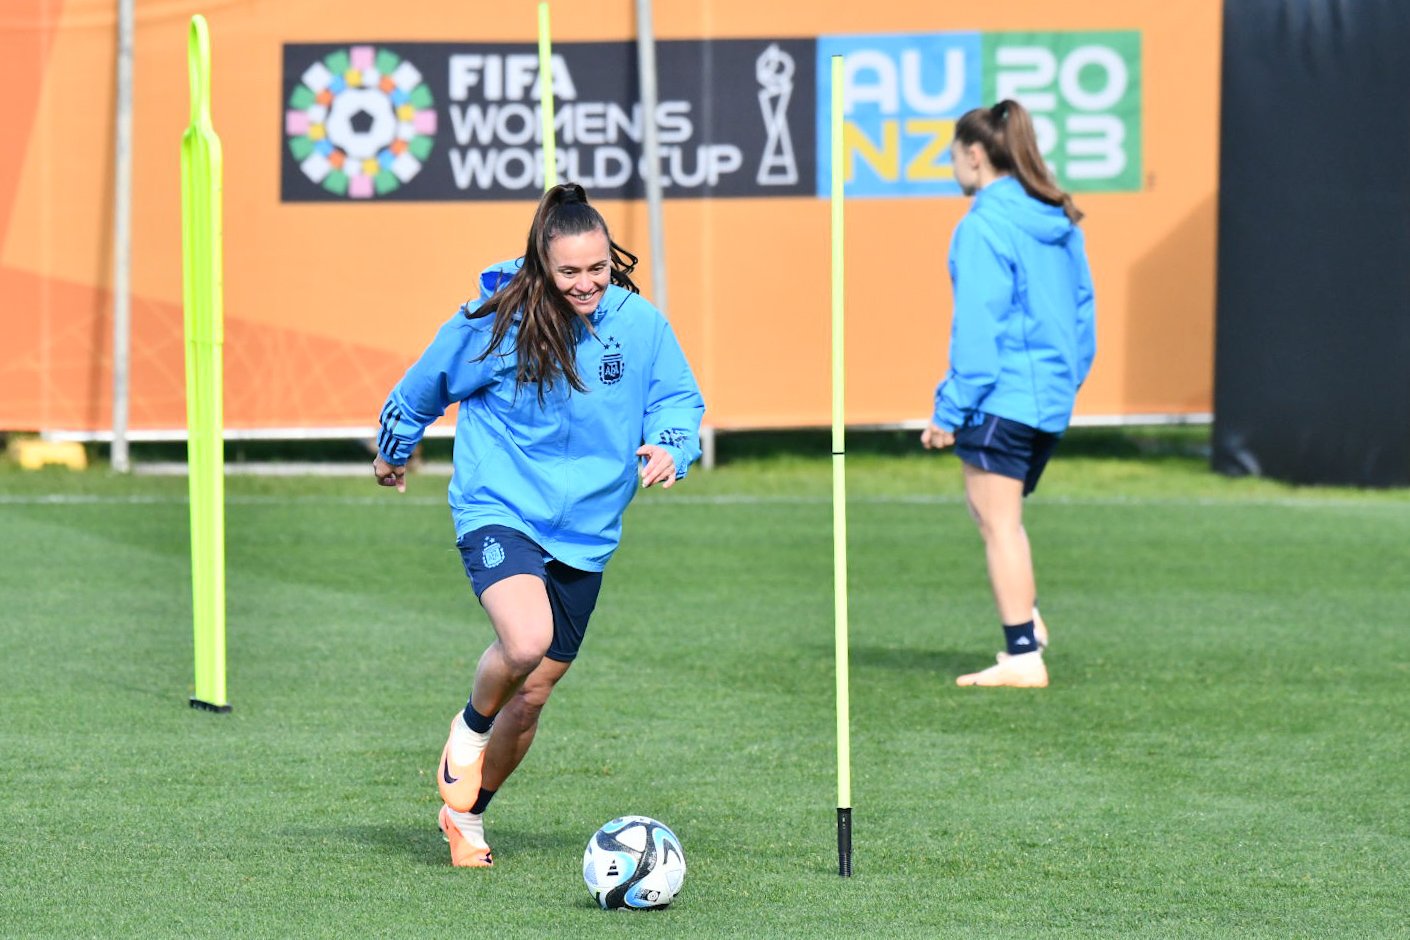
x=774 y=70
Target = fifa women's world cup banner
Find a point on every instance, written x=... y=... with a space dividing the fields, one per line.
x=737 y=117
x=422 y=121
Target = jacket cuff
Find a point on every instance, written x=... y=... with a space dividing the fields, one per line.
x=947 y=417
x=395 y=450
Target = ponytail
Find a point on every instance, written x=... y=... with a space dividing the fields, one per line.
x=545 y=342
x=1006 y=133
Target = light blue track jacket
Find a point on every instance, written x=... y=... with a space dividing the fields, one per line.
x=1024 y=331
x=561 y=471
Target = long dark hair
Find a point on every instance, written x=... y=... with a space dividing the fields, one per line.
x=1006 y=133
x=546 y=342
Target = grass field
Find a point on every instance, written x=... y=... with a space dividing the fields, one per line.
x=1222 y=753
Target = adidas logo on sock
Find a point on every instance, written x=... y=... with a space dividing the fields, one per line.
x=1021 y=641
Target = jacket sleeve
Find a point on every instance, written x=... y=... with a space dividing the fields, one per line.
x=983 y=291
x=1086 y=309
x=446 y=372
x=674 y=406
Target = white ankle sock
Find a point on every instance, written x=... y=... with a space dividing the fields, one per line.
x=471 y=826
x=464 y=743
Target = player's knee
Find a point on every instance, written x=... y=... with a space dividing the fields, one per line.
x=984 y=520
x=998 y=530
x=523 y=654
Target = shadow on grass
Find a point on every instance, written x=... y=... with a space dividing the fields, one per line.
x=425 y=845
x=552 y=842
x=897 y=659
x=421 y=844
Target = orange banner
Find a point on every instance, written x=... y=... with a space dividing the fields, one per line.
x=376 y=160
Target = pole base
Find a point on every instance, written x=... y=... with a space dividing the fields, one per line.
x=209 y=706
x=844 y=841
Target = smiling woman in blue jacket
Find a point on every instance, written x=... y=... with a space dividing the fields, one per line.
x=1021 y=344
x=573 y=392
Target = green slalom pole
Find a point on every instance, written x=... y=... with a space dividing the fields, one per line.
x=550 y=149
x=201 y=293
x=839 y=493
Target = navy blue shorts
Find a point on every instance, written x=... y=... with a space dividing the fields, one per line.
x=1008 y=448
x=495 y=552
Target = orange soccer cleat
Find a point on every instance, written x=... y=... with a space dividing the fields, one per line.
x=462 y=760
x=466 y=835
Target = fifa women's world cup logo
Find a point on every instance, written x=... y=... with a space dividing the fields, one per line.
x=774 y=70
x=361 y=122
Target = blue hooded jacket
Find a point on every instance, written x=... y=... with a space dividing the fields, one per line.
x=1024 y=331
x=563 y=470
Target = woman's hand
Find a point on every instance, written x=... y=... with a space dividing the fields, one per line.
x=658 y=467
x=935 y=437
x=388 y=475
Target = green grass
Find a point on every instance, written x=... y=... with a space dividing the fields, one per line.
x=1222 y=752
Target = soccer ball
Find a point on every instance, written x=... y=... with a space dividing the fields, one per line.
x=634 y=862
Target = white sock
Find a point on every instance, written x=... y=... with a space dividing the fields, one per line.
x=471 y=826
x=465 y=744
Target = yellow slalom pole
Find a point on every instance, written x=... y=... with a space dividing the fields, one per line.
x=550 y=150
x=839 y=493
x=202 y=288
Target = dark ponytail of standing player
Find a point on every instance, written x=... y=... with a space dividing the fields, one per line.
x=1006 y=133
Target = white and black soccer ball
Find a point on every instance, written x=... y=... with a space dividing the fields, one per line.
x=634 y=863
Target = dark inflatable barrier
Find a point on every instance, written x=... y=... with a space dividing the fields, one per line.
x=1312 y=348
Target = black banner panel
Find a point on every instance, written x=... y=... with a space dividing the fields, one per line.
x=450 y=122
x=1312 y=350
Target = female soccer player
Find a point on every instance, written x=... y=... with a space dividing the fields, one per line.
x=572 y=388
x=1022 y=342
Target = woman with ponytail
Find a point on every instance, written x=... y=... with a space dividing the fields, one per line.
x=572 y=392
x=1021 y=343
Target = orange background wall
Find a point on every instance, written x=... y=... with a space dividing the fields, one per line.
x=327 y=304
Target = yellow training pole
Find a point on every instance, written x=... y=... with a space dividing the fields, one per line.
x=839 y=493
x=202 y=287
x=550 y=151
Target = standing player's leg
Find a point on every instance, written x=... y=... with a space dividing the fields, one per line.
x=996 y=503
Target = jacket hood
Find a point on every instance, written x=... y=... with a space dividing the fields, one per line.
x=497 y=275
x=1007 y=198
